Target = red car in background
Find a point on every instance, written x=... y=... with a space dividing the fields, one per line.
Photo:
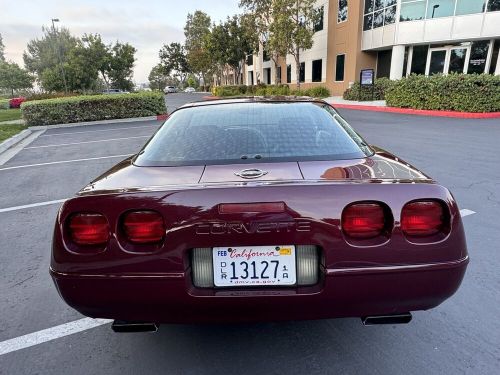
x=258 y=210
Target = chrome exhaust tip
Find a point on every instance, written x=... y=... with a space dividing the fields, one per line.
x=121 y=326
x=386 y=319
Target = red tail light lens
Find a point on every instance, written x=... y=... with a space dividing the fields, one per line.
x=89 y=229
x=422 y=218
x=144 y=227
x=363 y=220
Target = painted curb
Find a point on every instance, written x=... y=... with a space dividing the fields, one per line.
x=101 y=122
x=15 y=139
x=419 y=112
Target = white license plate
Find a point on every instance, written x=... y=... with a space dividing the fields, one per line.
x=254 y=265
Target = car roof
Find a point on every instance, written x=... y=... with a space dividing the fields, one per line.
x=255 y=99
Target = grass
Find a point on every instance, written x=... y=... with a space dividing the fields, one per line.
x=10 y=114
x=8 y=130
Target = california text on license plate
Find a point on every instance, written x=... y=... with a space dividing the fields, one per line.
x=254 y=265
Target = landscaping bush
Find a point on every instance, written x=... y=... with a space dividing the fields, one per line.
x=92 y=108
x=4 y=104
x=46 y=95
x=16 y=102
x=365 y=93
x=455 y=92
x=269 y=90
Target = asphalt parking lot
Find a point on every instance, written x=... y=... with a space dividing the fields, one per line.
x=460 y=336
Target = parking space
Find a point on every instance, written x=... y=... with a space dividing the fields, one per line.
x=460 y=336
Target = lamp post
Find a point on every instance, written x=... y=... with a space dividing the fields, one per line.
x=434 y=9
x=59 y=55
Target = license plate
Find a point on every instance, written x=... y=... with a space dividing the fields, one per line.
x=254 y=266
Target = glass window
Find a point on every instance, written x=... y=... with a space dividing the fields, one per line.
x=368 y=6
x=342 y=13
x=317 y=70
x=457 y=60
x=278 y=73
x=419 y=59
x=318 y=26
x=388 y=3
x=368 y=23
x=478 y=56
x=469 y=7
x=384 y=63
x=378 y=19
x=288 y=74
x=250 y=59
x=437 y=62
x=302 y=72
x=244 y=132
x=339 y=68
x=379 y=4
x=412 y=11
x=390 y=15
x=440 y=8
x=405 y=61
x=493 y=5
x=494 y=56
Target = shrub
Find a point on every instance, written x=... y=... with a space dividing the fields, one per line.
x=269 y=90
x=455 y=92
x=92 y=108
x=16 y=102
x=4 y=104
x=43 y=96
x=318 y=92
x=365 y=93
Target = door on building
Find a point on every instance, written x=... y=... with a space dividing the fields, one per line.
x=267 y=76
x=445 y=60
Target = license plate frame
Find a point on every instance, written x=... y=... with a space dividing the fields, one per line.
x=236 y=262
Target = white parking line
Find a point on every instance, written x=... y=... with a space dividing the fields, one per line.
x=15 y=208
x=63 y=162
x=101 y=130
x=81 y=143
x=50 y=334
x=465 y=212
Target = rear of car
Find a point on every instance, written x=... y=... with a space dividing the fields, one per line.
x=258 y=210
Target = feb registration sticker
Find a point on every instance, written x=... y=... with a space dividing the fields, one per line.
x=254 y=266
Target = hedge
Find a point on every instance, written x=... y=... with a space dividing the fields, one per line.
x=92 y=108
x=362 y=94
x=454 y=92
x=4 y=104
x=269 y=90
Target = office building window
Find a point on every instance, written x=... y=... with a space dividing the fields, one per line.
x=278 y=73
x=302 y=72
x=342 y=13
x=478 y=56
x=405 y=61
x=318 y=25
x=493 y=5
x=250 y=59
x=317 y=69
x=412 y=11
x=384 y=63
x=440 y=8
x=288 y=74
x=469 y=7
x=378 y=13
x=419 y=59
x=339 y=68
x=494 y=56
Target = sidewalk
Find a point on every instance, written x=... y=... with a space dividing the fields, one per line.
x=336 y=100
x=17 y=122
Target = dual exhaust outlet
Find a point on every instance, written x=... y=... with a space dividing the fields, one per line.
x=121 y=326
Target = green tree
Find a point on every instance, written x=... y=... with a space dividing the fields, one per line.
x=121 y=66
x=292 y=28
x=2 y=49
x=157 y=78
x=216 y=45
x=197 y=31
x=240 y=44
x=12 y=77
x=173 y=59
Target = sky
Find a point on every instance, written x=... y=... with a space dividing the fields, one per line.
x=146 y=24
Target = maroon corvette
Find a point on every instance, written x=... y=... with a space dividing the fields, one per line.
x=258 y=210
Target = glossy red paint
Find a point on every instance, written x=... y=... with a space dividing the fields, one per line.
x=388 y=274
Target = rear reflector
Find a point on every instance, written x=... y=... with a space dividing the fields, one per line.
x=89 y=229
x=307 y=263
x=144 y=227
x=239 y=208
x=422 y=218
x=363 y=220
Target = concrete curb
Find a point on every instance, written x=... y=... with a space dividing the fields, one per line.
x=101 y=122
x=15 y=139
x=419 y=112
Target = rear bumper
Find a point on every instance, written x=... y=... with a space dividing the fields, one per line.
x=354 y=292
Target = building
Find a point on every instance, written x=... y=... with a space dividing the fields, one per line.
x=393 y=37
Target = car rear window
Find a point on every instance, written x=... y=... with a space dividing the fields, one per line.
x=252 y=132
